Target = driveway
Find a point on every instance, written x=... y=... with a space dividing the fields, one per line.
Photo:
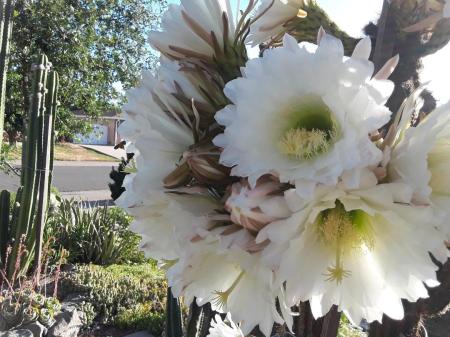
x=108 y=150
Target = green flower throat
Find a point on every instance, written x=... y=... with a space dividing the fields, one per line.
x=311 y=130
x=346 y=232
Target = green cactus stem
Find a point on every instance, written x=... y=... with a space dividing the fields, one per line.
x=4 y=225
x=6 y=13
x=174 y=319
x=31 y=204
x=29 y=178
x=45 y=162
x=200 y=320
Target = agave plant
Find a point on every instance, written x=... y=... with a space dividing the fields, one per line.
x=92 y=234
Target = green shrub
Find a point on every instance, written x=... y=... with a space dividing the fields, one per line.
x=346 y=329
x=141 y=317
x=9 y=153
x=97 y=235
x=126 y=296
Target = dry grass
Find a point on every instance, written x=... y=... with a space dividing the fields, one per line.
x=67 y=151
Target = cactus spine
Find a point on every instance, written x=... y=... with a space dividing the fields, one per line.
x=26 y=226
x=6 y=12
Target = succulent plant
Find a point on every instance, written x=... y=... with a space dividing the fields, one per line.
x=26 y=306
x=109 y=293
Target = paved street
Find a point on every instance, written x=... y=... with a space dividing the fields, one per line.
x=71 y=177
x=84 y=180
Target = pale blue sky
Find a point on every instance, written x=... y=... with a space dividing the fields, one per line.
x=353 y=15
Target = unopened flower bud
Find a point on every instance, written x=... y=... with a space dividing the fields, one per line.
x=206 y=168
x=254 y=208
x=178 y=177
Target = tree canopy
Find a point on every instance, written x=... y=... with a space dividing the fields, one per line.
x=93 y=44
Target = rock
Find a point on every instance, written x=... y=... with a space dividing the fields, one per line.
x=72 y=302
x=67 y=268
x=68 y=324
x=3 y=324
x=17 y=333
x=36 y=328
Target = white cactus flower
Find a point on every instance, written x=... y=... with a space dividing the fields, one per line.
x=218 y=271
x=189 y=29
x=361 y=250
x=221 y=329
x=272 y=17
x=157 y=125
x=157 y=139
x=422 y=160
x=304 y=113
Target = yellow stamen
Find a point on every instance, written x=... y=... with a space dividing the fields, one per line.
x=345 y=232
x=221 y=298
x=337 y=272
x=304 y=144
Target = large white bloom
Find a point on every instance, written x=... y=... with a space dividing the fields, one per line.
x=422 y=160
x=272 y=17
x=362 y=250
x=157 y=125
x=167 y=223
x=304 y=113
x=221 y=329
x=157 y=138
x=187 y=28
x=218 y=271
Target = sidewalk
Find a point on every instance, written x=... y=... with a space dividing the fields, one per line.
x=108 y=150
x=87 y=195
x=90 y=198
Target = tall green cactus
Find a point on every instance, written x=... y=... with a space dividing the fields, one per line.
x=45 y=161
x=6 y=12
x=26 y=225
x=174 y=316
x=4 y=222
